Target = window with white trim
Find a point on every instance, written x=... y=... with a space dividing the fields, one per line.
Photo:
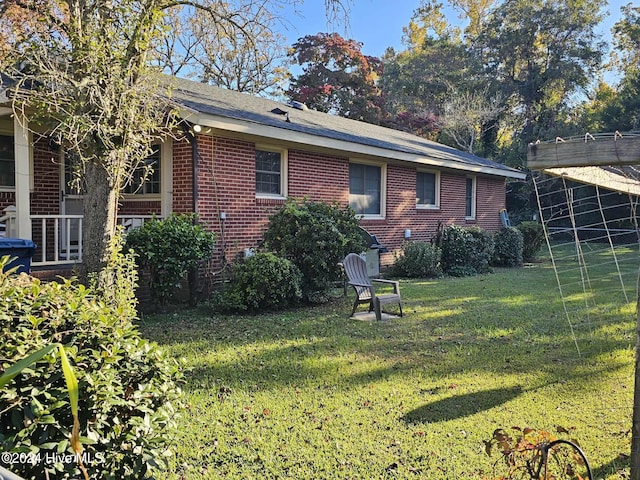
x=366 y=189
x=427 y=189
x=7 y=162
x=271 y=173
x=470 y=198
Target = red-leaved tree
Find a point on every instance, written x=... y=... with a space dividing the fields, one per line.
x=337 y=77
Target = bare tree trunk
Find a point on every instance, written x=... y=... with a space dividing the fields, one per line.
x=635 y=426
x=100 y=208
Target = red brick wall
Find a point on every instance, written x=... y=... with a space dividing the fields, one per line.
x=318 y=177
x=402 y=214
x=227 y=184
x=45 y=197
x=6 y=199
x=182 y=177
x=131 y=206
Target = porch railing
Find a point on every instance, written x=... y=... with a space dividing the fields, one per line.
x=59 y=237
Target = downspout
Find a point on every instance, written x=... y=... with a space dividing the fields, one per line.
x=195 y=154
x=192 y=275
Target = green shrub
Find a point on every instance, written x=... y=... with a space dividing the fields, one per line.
x=508 y=248
x=128 y=390
x=532 y=239
x=466 y=251
x=482 y=249
x=418 y=260
x=315 y=236
x=170 y=249
x=260 y=282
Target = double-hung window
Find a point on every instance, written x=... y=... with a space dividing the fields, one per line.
x=470 y=198
x=271 y=174
x=7 y=162
x=427 y=189
x=145 y=180
x=366 y=189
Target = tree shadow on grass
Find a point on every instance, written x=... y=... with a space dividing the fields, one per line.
x=459 y=406
x=617 y=466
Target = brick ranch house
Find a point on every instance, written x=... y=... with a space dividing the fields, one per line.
x=244 y=157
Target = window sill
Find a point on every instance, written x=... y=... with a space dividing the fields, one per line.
x=132 y=197
x=273 y=200
x=427 y=207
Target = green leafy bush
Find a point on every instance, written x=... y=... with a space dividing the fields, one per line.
x=532 y=239
x=169 y=249
x=315 y=236
x=129 y=394
x=466 y=251
x=508 y=248
x=260 y=282
x=418 y=260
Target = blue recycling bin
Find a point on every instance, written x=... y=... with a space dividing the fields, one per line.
x=19 y=248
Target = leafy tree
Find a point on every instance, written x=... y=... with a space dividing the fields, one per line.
x=254 y=62
x=617 y=107
x=83 y=72
x=542 y=52
x=428 y=21
x=427 y=86
x=626 y=34
x=336 y=77
x=468 y=117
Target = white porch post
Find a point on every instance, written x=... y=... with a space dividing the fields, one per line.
x=166 y=178
x=23 y=178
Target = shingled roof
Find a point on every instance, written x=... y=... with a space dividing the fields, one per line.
x=229 y=110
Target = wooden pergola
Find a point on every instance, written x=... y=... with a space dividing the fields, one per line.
x=584 y=159
x=602 y=160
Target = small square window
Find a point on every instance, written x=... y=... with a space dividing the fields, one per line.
x=269 y=173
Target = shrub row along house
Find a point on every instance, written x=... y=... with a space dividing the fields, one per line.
x=242 y=158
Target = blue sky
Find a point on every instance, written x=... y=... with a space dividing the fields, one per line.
x=378 y=23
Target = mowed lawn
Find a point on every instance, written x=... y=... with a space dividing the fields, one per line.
x=310 y=394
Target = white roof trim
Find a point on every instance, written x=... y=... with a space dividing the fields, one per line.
x=350 y=148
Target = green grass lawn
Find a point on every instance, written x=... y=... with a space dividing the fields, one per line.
x=310 y=394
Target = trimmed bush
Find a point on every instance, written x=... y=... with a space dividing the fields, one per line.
x=466 y=251
x=482 y=249
x=508 y=248
x=418 y=260
x=260 y=282
x=532 y=239
x=315 y=236
x=170 y=249
x=128 y=391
